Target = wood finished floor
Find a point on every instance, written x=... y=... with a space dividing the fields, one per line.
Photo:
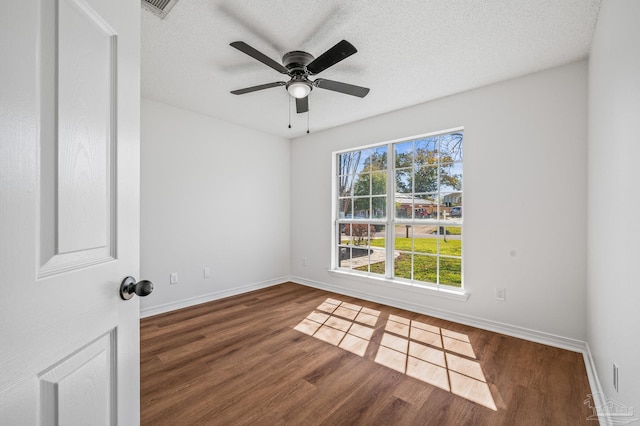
x=294 y=355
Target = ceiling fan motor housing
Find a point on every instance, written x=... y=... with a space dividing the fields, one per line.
x=297 y=61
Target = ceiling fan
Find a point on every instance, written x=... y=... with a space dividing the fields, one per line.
x=299 y=66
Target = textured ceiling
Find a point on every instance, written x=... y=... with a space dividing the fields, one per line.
x=409 y=52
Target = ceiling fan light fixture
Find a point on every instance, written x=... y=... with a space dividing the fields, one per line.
x=300 y=66
x=299 y=89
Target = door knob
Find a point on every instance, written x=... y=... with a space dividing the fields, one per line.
x=129 y=286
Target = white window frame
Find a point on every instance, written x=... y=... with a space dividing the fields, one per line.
x=390 y=223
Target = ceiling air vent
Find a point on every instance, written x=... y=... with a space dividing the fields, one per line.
x=158 y=7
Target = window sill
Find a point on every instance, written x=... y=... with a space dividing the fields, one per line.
x=451 y=294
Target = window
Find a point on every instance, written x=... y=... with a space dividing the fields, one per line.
x=399 y=210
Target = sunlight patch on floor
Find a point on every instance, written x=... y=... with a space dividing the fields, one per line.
x=434 y=355
x=424 y=352
x=341 y=324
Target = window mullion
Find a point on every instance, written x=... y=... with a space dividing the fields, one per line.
x=391 y=211
x=440 y=214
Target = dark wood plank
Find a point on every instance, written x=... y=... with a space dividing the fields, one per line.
x=241 y=361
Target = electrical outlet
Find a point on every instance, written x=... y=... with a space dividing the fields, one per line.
x=304 y=261
x=173 y=278
x=206 y=272
x=616 y=379
x=500 y=293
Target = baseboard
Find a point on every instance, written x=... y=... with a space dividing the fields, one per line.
x=209 y=297
x=598 y=398
x=498 y=327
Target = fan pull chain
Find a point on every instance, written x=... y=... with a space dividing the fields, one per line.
x=289 y=110
x=308 y=114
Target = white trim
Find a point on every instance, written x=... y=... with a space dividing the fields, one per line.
x=404 y=139
x=454 y=294
x=390 y=228
x=597 y=394
x=334 y=211
x=209 y=297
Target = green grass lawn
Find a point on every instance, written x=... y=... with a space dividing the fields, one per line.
x=424 y=245
x=425 y=267
x=453 y=230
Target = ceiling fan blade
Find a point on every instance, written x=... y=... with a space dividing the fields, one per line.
x=340 y=51
x=260 y=87
x=245 y=48
x=302 y=104
x=336 y=86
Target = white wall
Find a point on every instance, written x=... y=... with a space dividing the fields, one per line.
x=213 y=194
x=614 y=174
x=525 y=190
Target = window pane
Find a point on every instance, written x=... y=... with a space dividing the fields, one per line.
x=344 y=253
x=451 y=147
x=451 y=206
x=378 y=183
x=425 y=206
x=378 y=238
x=404 y=181
x=451 y=177
x=455 y=214
x=362 y=247
x=403 y=206
x=344 y=257
x=426 y=179
x=450 y=240
x=425 y=268
x=402 y=266
x=375 y=259
x=373 y=262
x=451 y=199
x=378 y=261
x=425 y=239
x=378 y=159
x=404 y=154
x=361 y=207
x=364 y=159
x=345 y=185
x=372 y=159
x=408 y=207
x=379 y=207
x=451 y=272
x=345 y=210
x=345 y=231
x=426 y=152
x=359 y=257
x=362 y=184
x=349 y=162
x=361 y=233
x=403 y=237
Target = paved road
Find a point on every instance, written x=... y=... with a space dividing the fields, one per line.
x=420 y=231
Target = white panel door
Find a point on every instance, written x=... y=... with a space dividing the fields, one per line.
x=69 y=211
